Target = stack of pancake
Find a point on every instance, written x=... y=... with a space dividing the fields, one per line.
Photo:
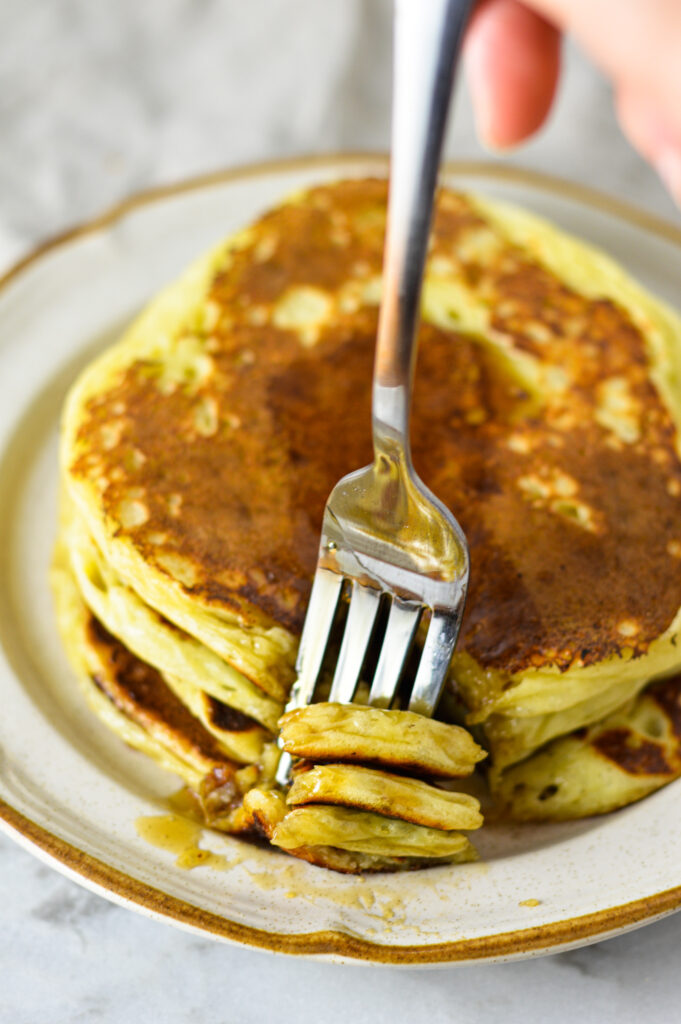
x=196 y=458
x=355 y=818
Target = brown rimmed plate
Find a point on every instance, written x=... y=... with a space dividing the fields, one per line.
x=71 y=793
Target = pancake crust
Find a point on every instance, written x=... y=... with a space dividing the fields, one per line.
x=347 y=863
x=394 y=796
x=140 y=692
x=358 y=831
x=628 y=755
x=547 y=438
x=153 y=638
x=398 y=740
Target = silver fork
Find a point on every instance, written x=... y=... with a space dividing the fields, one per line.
x=385 y=536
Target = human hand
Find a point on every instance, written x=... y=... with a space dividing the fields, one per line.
x=513 y=64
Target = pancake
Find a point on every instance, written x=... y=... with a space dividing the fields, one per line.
x=393 y=796
x=156 y=640
x=342 y=809
x=129 y=696
x=197 y=455
x=184 y=666
x=140 y=694
x=399 y=740
x=134 y=700
x=363 y=832
x=348 y=863
x=545 y=416
x=623 y=758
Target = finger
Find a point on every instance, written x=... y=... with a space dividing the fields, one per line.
x=637 y=40
x=653 y=134
x=512 y=58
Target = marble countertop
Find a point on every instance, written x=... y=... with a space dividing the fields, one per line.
x=98 y=101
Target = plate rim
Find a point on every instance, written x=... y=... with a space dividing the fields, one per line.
x=115 y=884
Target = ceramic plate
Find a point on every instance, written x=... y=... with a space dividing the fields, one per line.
x=72 y=793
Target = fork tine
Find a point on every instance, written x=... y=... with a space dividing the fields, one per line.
x=324 y=597
x=435 y=658
x=364 y=603
x=403 y=621
x=326 y=588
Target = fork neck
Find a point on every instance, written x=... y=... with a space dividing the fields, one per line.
x=427 y=38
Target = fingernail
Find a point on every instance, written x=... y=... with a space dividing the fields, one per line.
x=668 y=165
x=482 y=99
x=483 y=110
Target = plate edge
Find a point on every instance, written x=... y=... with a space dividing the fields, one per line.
x=110 y=881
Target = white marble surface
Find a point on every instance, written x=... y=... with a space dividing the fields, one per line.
x=101 y=99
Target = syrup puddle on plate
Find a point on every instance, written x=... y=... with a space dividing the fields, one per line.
x=180 y=836
x=180 y=832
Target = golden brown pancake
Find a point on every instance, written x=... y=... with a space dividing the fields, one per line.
x=346 y=828
x=399 y=740
x=140 y=692
x=627 y=756
x=348 y=863
x=347 y=815
x=394 y=796
x=150 y=717
x=199 y=452
x=231 y=469
x=223 y=699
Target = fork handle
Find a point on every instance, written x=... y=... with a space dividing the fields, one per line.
x=427 y=39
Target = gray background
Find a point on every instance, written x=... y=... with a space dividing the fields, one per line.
x=98 y=100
